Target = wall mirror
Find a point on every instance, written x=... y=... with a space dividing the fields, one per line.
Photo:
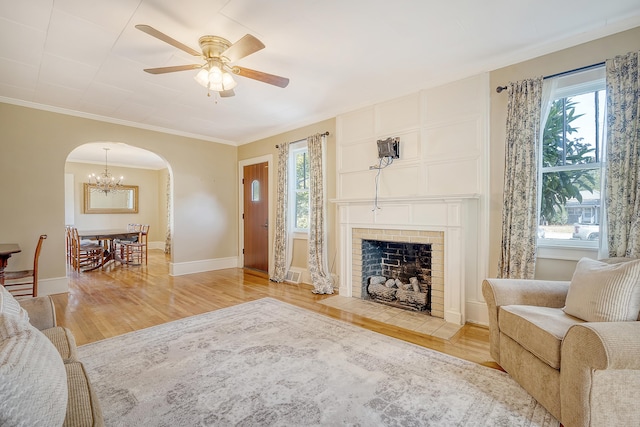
x=124 y=200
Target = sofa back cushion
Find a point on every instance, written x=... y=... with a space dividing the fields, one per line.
x=603 y=292
x=33 y=379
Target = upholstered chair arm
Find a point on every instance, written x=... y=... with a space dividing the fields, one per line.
x=42 y=313
x=600 y=374
x=499 y=292
x=542 y=293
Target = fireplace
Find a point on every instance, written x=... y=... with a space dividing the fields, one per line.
x=402 y=255
x=397 y=274
x=448 y=224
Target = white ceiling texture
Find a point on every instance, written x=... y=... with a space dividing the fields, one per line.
x=86 y=57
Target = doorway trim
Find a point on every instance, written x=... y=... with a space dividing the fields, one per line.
x=241 y=164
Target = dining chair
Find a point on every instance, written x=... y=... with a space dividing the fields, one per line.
x=135 y=252
x=24 y=283
x=68 y=243
x=85 y=254
x=120 y=243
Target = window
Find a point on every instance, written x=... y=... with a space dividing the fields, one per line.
x=570 y=159
x=300 y=185
x=255 y=190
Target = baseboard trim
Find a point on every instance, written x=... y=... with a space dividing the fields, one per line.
x=453 y=317
x=156 y=245
x=190 y=267
x=476 y=312
x=56 y=285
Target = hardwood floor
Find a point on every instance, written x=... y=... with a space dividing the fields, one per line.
x=102 y=304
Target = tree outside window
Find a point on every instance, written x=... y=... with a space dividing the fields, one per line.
x=301 y=189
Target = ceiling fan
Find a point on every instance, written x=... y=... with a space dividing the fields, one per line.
x=219 y=54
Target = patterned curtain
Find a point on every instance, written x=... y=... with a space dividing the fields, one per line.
x=281 y=246
x=623 y=156
x=318 y=265
x=520 y=210
x=167 y=241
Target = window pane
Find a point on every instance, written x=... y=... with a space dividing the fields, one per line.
x=570 y=198
x=255 y=191
x=302 y=209
x=573 y=130
x=302 y=171
x=588 y=125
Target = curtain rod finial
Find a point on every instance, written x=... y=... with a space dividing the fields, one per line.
x=501 y=88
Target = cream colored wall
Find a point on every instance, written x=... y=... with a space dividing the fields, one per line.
x=267 y=146
x=34 y=148
x=149 y=192
x=557 y=62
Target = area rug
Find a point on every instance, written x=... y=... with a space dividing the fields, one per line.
x=270 y=363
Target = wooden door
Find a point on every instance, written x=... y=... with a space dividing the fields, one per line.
x=256 y=216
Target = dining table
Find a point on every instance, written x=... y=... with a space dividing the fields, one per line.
x=6 y=250
x=108 y=238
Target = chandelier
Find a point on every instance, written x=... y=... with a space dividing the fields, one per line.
x=105 y=182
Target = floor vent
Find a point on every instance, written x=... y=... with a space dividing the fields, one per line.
x=293 y=276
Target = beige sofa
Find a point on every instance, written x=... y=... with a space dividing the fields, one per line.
x=42 y=382
x=585 y=373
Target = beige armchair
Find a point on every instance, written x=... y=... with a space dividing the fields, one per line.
x=584 y=373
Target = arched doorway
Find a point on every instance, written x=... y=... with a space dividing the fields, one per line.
x=148 y=171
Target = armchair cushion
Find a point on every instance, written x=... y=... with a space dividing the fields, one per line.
x=603 y=292
x=539 y=330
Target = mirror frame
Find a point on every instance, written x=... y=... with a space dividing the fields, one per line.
x=92 y=210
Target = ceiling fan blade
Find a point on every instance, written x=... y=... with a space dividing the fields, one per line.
x=243 y=47
x=260 y=76
x=163 y=70
x=227 y=93
x=165 y=38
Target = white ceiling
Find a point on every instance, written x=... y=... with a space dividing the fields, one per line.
x=86 y=57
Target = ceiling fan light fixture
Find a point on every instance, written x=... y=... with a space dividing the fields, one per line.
x=228 y=82
x=202 y=77
x=215 y=79
x=215 y=75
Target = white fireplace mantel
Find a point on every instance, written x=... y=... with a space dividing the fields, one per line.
x=405 y=199
x=453 y=215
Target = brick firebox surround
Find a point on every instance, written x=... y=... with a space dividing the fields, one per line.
x=434 y=238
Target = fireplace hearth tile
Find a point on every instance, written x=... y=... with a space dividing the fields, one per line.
x=446 y=330
x=413 y=321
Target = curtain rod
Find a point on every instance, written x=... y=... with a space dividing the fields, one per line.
x=322 y=134
x=586 y=67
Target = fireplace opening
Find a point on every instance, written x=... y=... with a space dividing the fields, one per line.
x=397 y=274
